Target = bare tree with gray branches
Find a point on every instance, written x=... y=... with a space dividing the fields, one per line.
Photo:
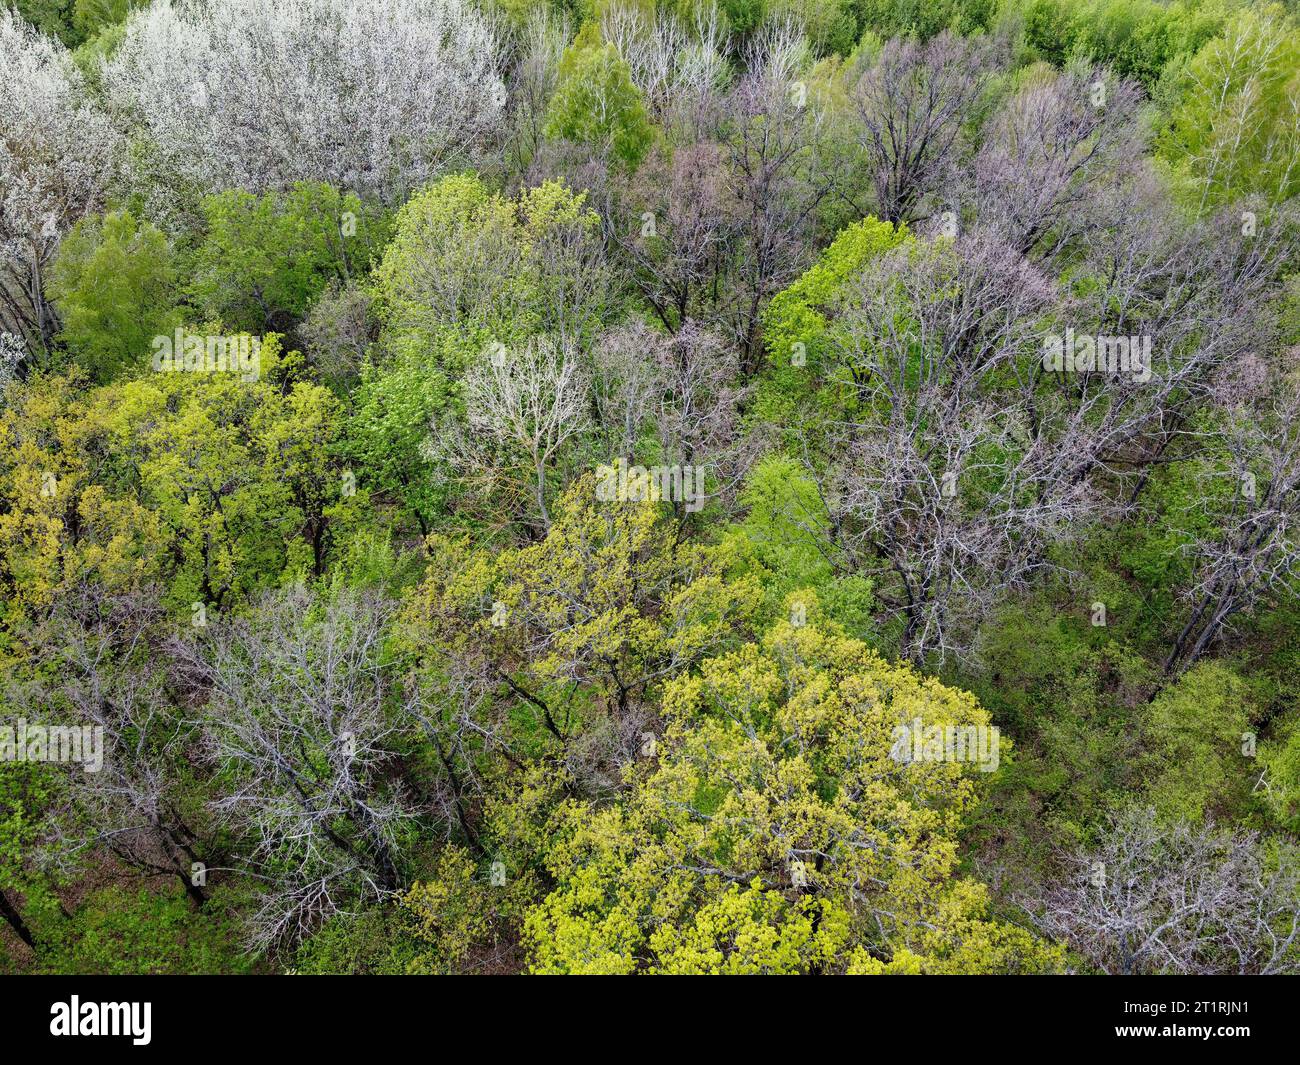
x=912 y=105
x=1250 y=507
x=1180 y=898
x=303 y=721
x=529 y=401
x=773 y=132
x=134 y=807
x=1048 y=154
x=944 y=492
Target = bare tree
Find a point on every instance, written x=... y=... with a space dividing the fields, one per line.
x=533 y=61
x=943 y=491
x=1181 y=899
x=530 y=401
x=134 y=806
x=1200 y=291
x=578 y=289
x=912 y=104
x=1251 y=504
x=678 y=224
x=773 y=133
x=339 y=330
x=12 y=353
x=1048 y=155
x=681 y=390
x=677 y=67
x=625 y=386
x=1237 y=123
x=299 y=723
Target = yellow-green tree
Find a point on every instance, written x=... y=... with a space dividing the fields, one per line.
x=210 y=484
x=781 y=831
x=591 y=619
x=541 y=666
x=65 y=512
x=1236 y=127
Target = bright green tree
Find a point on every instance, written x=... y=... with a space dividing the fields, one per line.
x=266 y=258
x=114 y=285
x=1198 y=735
x=557 y=650
x=596 y=103
x=796 y=324
x=1236 y=127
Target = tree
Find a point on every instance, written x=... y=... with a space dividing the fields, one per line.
x=674 y=398
x=940 y=483
x=676 y=63
x=265 y=259
x=924 y=19
x=1138 y=38
x=533 y=69
x=596 y=102
x=1244 y=548
x=538 y=667
x=787 y=526
x=141 y=805
x=468 y=273
x=678 y=223
x=267 y=96
x=298 y=724
x=776 y=830
x=456 y=915
x=772 y=136
x=58 y=527
x=796 y=324
x=114 y=285
x=219 y=486
x=240 y=476
x=956 y=443
x=912 y=104
x=531 y=400
x=91 y=16
x=490 y=268
x=561 y=600
x=1047 y=154
x=55 y=154
x=338 y=332
x=1183 y=899
x=52 y=17
x=1235 y=129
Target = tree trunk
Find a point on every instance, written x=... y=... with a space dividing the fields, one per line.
x=16 y=922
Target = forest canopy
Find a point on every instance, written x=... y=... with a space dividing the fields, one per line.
x=649 y=486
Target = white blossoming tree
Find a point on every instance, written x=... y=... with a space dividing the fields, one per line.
x=55 y=150
x=375 y=96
